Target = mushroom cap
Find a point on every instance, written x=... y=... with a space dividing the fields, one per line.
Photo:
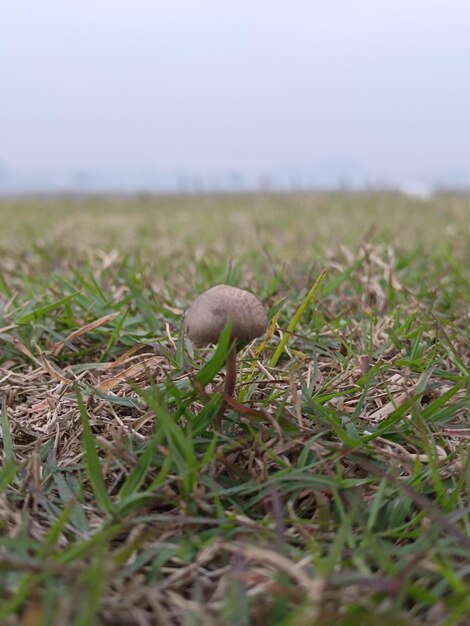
x=209 y=313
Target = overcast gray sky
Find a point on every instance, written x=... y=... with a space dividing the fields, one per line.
x=254 y=86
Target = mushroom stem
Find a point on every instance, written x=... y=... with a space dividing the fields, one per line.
x=231 y=375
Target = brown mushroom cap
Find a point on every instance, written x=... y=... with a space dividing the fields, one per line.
x=206 y=317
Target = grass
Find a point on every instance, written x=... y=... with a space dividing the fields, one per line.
x=335 y=488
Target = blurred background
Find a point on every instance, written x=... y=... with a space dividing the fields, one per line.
x=184 y=96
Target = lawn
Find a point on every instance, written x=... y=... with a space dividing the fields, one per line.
x=333 y=491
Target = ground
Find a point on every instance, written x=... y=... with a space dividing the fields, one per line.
x=333 y=490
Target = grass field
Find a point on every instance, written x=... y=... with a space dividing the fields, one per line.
x=334 y=491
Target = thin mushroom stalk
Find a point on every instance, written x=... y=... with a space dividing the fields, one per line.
x=231 y=373
x=208 y=315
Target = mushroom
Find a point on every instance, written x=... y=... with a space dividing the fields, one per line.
x=213 y=309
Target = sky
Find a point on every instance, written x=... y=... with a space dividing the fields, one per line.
x=373 y=90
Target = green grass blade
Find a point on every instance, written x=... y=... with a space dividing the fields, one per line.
x=138 y=473
x=77 y=516
x=39 y=312
x=7 y=474
x=143 y=304
x=296 y=318
x=215 y=364
x=6 y=434
x=92 y=460
x=179 y=356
